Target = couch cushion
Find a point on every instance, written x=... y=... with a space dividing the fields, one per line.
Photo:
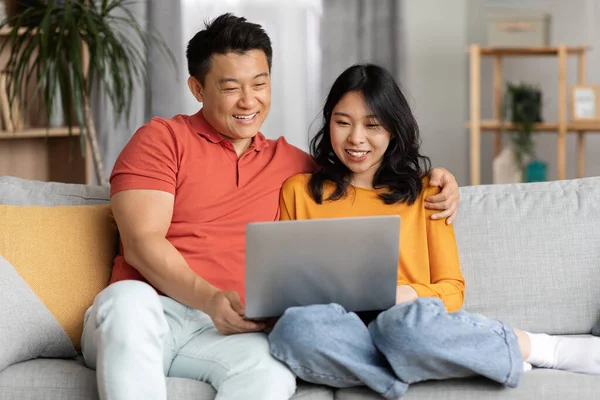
x=530 y=253
x=27 y=328
x=71 y=380
x=536 y=384
x=64 y=254
x=17 y=191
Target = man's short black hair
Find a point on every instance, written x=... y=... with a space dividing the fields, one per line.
x=225 y=34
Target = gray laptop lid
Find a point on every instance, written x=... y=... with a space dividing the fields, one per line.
x=349 y=261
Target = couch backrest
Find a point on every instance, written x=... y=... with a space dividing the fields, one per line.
x=530 y=253
x=22 y=192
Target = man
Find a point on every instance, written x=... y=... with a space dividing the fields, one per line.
x=182 y=192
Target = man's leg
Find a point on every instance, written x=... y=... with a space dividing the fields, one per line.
x=422 y=341
x=123 y=339
x=237 y=366
x=325 y=344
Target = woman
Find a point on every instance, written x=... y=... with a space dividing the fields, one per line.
x=370 y=164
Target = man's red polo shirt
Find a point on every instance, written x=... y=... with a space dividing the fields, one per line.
x=216 y=194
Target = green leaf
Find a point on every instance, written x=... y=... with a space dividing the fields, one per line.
x=45 y=53
x=524 y=102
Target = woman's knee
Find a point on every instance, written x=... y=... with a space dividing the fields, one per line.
x=317 y=342
x=302 y=331
x=409 y=326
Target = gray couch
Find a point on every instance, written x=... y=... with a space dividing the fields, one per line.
x=530 y=255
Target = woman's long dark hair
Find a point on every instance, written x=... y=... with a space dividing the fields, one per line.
x=402 y=167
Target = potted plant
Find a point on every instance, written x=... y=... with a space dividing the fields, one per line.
x=68 y=47
x=524 y=102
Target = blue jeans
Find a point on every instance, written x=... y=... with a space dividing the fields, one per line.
x=410 y=342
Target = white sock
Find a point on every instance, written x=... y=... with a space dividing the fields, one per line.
x=526 y=366
x=567 y=353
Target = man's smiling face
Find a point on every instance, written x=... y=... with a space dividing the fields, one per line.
x=236 y=94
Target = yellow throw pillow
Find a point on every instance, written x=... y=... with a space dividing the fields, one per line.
x=64 y=254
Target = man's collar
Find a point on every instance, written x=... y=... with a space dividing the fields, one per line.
x=204 y=129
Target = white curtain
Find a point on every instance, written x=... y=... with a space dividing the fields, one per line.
x=355 y=31
x=294 y=29
x=113 y=134
x=164 y=83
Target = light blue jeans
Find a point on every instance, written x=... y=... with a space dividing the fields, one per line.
x=133 y=338
x=409 y=343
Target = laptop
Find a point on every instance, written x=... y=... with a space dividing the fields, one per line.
x=349 y=261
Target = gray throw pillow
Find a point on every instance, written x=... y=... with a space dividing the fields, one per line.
x=596 y=329
x=27 y=328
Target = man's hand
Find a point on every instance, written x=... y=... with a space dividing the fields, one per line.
x=226 y=311
x=447 y=199
x=405 y=293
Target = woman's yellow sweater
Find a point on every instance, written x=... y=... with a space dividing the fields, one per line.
x=428 y=259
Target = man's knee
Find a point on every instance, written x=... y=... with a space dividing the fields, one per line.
x=271 y=372
x=129 y=307
x=124 y=316
x=129 y=291
x=265 y=373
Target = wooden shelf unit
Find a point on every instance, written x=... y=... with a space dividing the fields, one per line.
x=6 y=31
x=572 y=127
x=39 y=133
x=44 y=154
x=530 y=51
x=476 y=125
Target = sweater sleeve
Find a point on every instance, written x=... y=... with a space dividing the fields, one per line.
x=447 y=282
x=287 y=200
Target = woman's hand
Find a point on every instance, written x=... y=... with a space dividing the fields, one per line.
x=405 y=293
x=447 y=199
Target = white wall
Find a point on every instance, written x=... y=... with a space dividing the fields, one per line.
x=434 y=77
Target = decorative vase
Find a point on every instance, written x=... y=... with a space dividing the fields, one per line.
x=57 y=116
x=506 y=169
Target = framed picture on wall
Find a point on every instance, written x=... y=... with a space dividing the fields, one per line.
x=585 y=103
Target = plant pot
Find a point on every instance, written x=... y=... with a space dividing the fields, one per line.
x=11 y=7
x=536 y=171
x=15 y=7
